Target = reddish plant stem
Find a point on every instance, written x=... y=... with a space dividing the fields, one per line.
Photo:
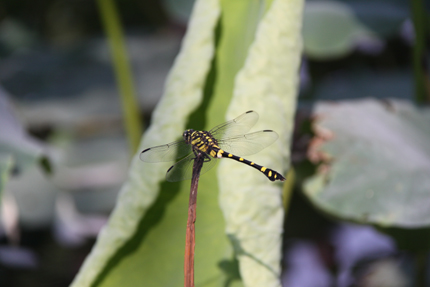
x=190 y=242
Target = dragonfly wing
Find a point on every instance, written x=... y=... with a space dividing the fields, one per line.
x=183 y=169
x=240 y=125
x=208 y=165
x=167 y=152
x=248 y=144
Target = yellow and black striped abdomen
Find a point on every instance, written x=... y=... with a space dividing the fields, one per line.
x=270 y=173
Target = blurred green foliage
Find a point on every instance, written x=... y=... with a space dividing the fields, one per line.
x=123 y=73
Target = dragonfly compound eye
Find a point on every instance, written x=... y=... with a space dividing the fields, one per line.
x=187 y=135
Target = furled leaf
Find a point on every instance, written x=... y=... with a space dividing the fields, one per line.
x=251 y=204
x=144 y=240
x=375 y=162
x=135 y=247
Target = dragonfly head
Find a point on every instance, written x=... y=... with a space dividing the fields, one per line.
x=187 y=135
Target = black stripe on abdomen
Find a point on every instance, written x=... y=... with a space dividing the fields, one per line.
x=270 y=173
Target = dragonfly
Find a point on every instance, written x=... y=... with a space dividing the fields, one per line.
x=227 y=140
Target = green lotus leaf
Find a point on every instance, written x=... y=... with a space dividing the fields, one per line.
x=330 y=30
x=376 y=162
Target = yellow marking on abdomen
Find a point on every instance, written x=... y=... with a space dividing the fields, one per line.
x=270 y=173
x=219 y=153
x=241 y=159
x=230 y=155
x=252 y=163
x=275 y=175
x=263 y=169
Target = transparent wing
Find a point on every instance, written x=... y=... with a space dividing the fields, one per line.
x=240 y=125
x=248 y=144
x=167 y=152
x=183 y=169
